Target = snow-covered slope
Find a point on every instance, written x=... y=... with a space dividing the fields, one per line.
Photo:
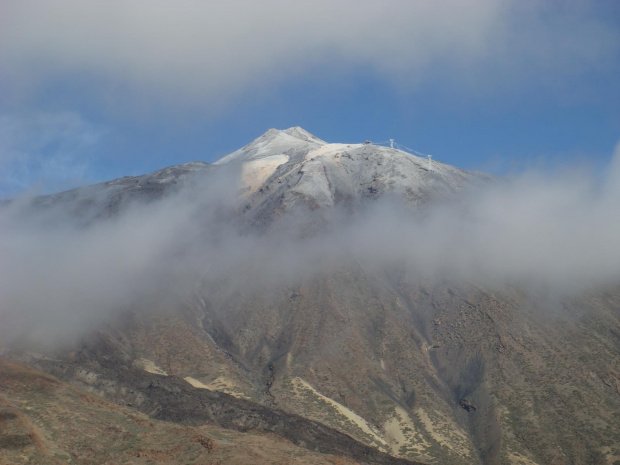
x=283 y=168
x=274 y=142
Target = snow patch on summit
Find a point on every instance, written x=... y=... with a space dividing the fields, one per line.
x=302 y=134
x=274 y=142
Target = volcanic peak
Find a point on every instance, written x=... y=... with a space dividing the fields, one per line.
x=274 y=142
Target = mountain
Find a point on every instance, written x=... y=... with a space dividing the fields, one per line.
x=293 y=166
x=287 y=301
x=58 y=423
x=107 y=199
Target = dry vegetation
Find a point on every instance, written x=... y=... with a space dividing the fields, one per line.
x=45 y=421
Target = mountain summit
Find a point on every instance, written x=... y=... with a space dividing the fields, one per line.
x=311 y=290
x=293 y=166
x=274 y=142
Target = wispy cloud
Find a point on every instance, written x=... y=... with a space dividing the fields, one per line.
x=555 y=232
x=45 y=151
x=205 y=53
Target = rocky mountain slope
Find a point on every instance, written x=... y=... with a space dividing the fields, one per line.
x=302 y=318
x=43 y=420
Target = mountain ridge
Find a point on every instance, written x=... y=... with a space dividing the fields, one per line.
x=292 y=286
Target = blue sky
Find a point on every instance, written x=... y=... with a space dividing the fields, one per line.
x=91 y=91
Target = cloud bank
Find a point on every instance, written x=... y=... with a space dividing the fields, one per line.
x=209 y=52
x=60 y=276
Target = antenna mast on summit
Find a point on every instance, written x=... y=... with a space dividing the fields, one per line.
x=430 y=163
x=391 y=143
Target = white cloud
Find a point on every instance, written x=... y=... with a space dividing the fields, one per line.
x=557 y=233
x=207 y=52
